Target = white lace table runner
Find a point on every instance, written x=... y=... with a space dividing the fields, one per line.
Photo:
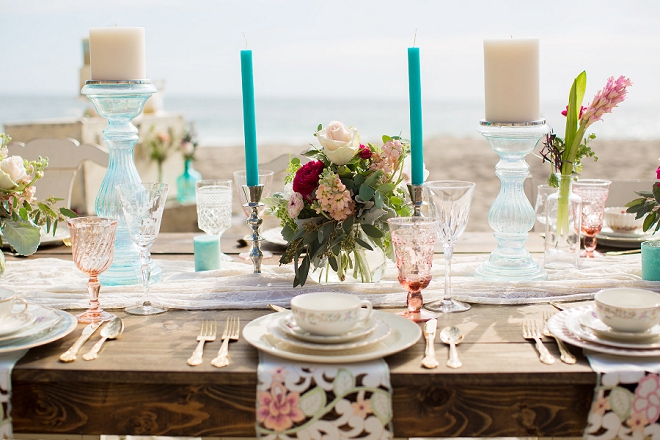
x=297 y=400
x=57 y=283
x=7 y=362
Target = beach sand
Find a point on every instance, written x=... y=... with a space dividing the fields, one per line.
x=465 y=159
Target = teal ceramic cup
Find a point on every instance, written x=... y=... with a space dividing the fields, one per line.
x=651 y=260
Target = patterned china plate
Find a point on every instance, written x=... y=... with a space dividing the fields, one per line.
x=45 y=319
x=404 y=333
x=380 y=332
x=590 y=320
x=16 y=322
x=558 y=326
x=288 y=325
x=65 y=323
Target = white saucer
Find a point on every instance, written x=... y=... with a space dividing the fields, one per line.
x=16 y=322
x=274 y=236
x=590 y=320
x=288 y=325
x=609 y=232
x=380 y=332
x=572 y=323
x=404 y=334
x=558 y=327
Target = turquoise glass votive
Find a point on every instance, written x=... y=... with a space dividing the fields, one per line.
x=651 y=260
x=207 y=252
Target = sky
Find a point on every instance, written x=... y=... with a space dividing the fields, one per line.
x=335 y=49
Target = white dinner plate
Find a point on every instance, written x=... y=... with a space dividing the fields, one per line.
x=572 y=323
x=637 y=233
x=557 y=326
x=380 y=332
x=274 y=236
x=288 y=325
x=625 y=241
x=404 y=334
x=590 y=320
x=45 y=319
x=17 y=321
x=65 y=325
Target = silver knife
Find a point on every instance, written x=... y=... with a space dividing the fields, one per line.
x=70 y=354
x=429 y=360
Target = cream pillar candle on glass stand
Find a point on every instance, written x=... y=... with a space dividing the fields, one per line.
x=118 y=89
x=513 y=127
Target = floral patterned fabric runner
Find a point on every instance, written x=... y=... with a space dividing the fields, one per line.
x=304 y=400
x=626 y=401
x=7 y=362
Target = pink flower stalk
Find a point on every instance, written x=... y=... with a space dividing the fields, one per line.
x=605 y=100
x=334 y=198
x=388 y=160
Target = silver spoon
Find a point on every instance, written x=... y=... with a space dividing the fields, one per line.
x=452 y=336
x=112 y=329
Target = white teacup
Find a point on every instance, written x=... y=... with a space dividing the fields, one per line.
x=7 y=299
x=329 y=313
x=627 y=309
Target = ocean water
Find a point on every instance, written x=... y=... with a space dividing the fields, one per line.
x=293 y=121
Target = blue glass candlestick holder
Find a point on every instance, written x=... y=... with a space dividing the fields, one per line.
x=119 y=102
x=512 y=216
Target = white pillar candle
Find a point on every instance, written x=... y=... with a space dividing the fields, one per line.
x=117 y=53
x=511 y=80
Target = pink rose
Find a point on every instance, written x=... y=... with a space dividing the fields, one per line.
x=307 y=178
x=295 y=205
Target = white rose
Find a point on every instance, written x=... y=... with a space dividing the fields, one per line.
x=407 y=170
x=339 y=142
x=12 y=171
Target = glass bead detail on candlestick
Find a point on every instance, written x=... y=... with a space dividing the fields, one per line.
x=511 y=216
x=185 y=183
x=120 y=102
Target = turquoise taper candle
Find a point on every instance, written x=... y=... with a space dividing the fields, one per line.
x=416 y=140
x=207 y=252
x=249 y=120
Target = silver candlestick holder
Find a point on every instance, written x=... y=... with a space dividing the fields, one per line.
x=253 y=196
x=417 y=196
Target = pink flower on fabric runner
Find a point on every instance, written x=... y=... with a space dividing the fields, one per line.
x=637 y=422
x=361 y=407
x=647 y=398
x=601 y=405
x=277 y=409
x=605 y=100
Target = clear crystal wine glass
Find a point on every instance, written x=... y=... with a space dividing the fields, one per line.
x=593 y=193
x=413 y=239
x=93 y=249
x=449 y=203
x=143 y=205
x=214 y=208
x=265 y=179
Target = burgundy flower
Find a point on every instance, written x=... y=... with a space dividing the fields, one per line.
x=657 y=173
x=365 y=152
x=307 y=178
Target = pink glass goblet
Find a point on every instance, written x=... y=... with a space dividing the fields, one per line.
x=413 y=239
x=93 y=249
x=594 y=194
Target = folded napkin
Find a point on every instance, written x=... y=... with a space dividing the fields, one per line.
x=7 y=362
x=626 y=401
x=57 y=283
x=306 y=401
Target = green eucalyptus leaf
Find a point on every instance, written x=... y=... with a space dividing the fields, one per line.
x=23 y=214
x=644 y=193
x=373 y=179
x=371 y=231
x=304 y=270
x=636 y=202
x=358 y=180
x=363 y=243
x=68 y=213
x=649 y=221
x=386 y=188
x=366 y=192
x=656 y=193
x=378 y=199
x=333 y=262
x=23 y=236
x=348 y=224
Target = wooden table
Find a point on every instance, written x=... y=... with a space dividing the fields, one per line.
x=142 y=385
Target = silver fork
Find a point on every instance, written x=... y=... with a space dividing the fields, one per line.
x=530 y=331
x=566 y=356
x=207 y=332
x=231 y=331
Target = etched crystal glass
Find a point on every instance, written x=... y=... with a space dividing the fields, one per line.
x=593 y=193
x=413 y=239
x=449 y=203
x=214 y=206
x=93 y=248
x=143 y=205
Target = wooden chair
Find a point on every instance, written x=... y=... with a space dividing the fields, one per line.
x=65 y=158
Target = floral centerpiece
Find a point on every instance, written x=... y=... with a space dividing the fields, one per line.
x=336 y=206
x=159 y=145
x=21 y=215
x=565 y=155
x=188 y=144
x=648 y=205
